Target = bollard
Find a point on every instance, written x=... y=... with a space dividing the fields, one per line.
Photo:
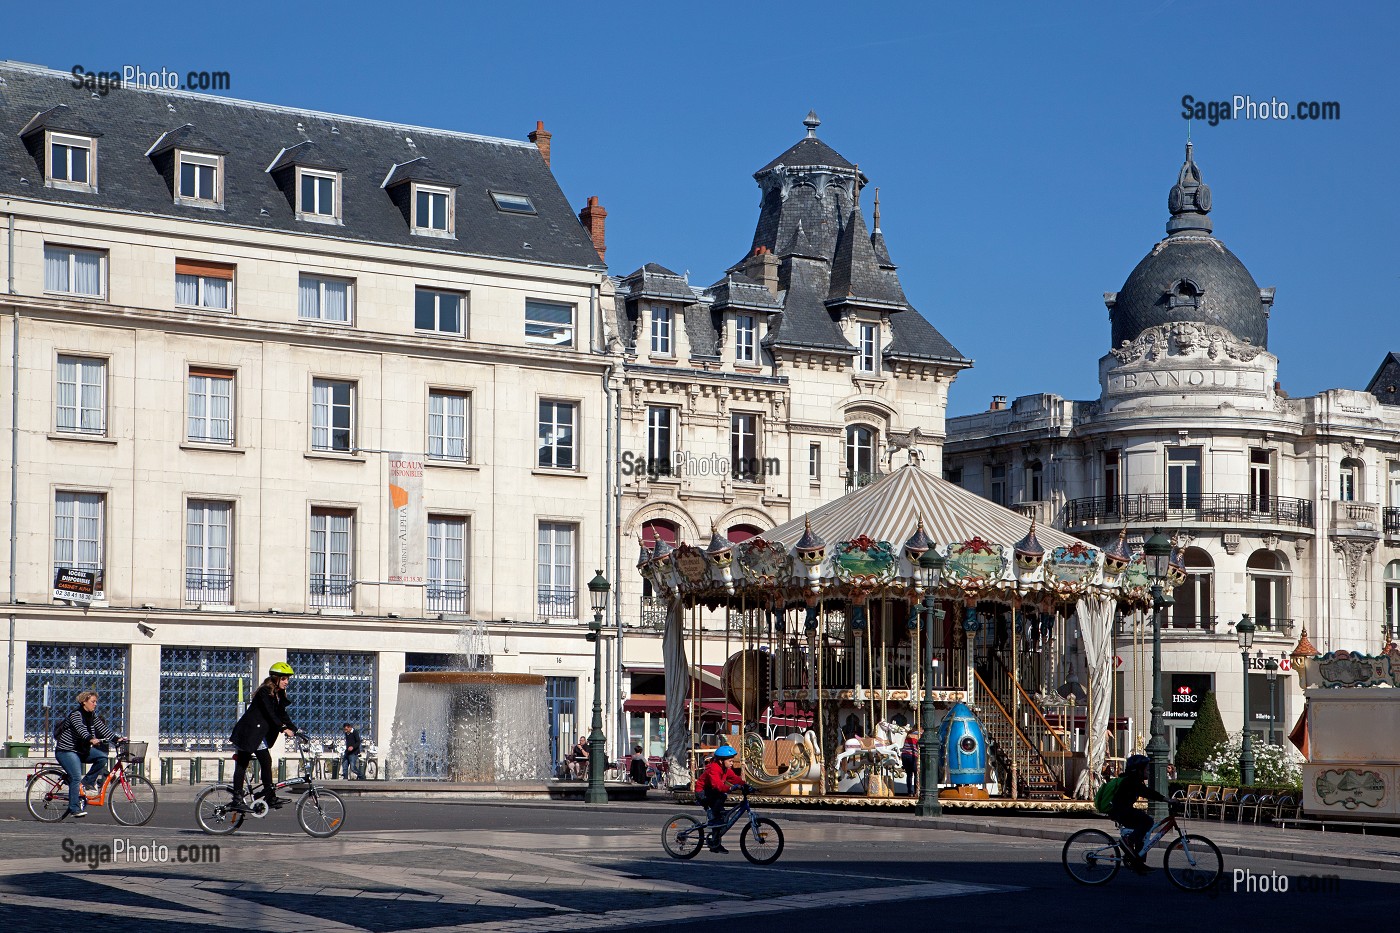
x=196 y=769
x=335 y=768
x=281 y=770
x=221 y=771
x=254 y=772
x=166 y=770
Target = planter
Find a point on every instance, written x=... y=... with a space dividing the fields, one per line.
x=17 y=749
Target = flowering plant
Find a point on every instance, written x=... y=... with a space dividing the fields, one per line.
x=1274 y=765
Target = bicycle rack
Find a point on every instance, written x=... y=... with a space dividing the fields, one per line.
x=196 y=767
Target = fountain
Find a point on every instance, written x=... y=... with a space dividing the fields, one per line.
x=469 y=723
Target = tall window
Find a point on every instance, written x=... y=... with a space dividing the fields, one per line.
x=69 y=271
x=432 y=209
x=557 y=435
x=659 y=448
x=59 y=671
x=557 y=595
x=210 y=401
x=745 y=339
x=334 y=687
x=319 y=196
x=81 y=395
x=204 y=285
x=549 y=323
x=1035 y=481
x=1268 y=589
x=325 y=299
x=332 y=415
x=331 y=563
x=1111 y=486
x=79 y=520
x=860 y=452
x=1349 y=480
x=661 y=331
x=1392 y=601
x=199 y=179
x=1193 y=606
x=1183 y=477
x=447 y=564
x=998 y=483
x=743 y=446
x=448 y=419
x=208 y=552
x=198 y=690
x=444 y=312
x=869 y=348
x=1260 y=480
x=70 y=161
x=814 y=462
x=1394 y=483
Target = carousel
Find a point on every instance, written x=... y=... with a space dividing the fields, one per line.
x=837 y=631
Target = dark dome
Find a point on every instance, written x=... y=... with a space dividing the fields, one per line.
x=1191 y=278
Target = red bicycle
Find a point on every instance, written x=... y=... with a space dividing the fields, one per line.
x=130 y=797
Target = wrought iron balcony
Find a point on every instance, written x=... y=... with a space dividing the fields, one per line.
x=447 y=597
x=333 y=591
x=209 y=588
x=1390 y=519
x=557 y=602
x=653 y=618
x=855 y=479
x=1220 y=508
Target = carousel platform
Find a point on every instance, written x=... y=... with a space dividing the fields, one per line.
x=899 y=804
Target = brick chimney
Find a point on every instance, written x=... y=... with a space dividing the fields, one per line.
x=998 y=403
x=762 y=267
x=541 y=137
x=593 y=217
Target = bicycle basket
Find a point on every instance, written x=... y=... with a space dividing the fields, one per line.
x=133 y=751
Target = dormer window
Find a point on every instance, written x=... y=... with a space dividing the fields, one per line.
x=72 y=162
x=432 y=210
x=869 y=358
x=1184 y=294
x=318 y=196
x=661 y=343
x=199 y=180
x=745 y=339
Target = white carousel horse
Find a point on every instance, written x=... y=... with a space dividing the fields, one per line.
x=889 y=739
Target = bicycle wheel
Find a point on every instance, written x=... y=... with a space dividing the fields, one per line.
x=47 y=795
x=321 y=813
x=213 y=808
x=132 y=803
x=682 y=836
x=1091 y=857
x=1193 y=863
x=761 y=841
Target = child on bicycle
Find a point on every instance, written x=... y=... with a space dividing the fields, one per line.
x=1132 y=788
x=715 y=783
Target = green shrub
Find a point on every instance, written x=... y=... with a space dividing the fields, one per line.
x=1205 y=734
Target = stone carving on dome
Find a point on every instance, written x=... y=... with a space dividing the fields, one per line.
x=1186 y=338
x=1354 y=552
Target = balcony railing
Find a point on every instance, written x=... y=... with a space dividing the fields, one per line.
x=1390 y=518
x=887 y=668
x=1204 y=624
x=447 y=597
x=855 y=479
x=1356 y=518
x=653 y=617
x=209 y=588
x=331 y=591
x=557 y=602
x=1205 y=507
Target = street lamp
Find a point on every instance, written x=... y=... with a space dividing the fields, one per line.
x=1158 y=552
x=930 y=747
x=1271 y=671
x=598 y=594
x=1245 y=630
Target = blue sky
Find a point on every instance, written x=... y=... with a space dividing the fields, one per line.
x=1023 y=151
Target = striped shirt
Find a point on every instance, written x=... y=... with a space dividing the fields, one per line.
x=77 y=730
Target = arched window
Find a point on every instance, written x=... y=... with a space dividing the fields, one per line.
x=1392 y=600
x=1268 y=590
x=1195 y=599
x=660 y=529
x=1349 y=481
x=860 y=454
x=737 y=533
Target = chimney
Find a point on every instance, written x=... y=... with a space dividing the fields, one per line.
x=762 y=267
x=998 y=403
x=541 y=137
x=593 y=217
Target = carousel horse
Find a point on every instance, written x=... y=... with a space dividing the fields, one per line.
x=793 y=764
x=886 y=745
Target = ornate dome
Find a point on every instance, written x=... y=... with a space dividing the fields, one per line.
x=1190 y=275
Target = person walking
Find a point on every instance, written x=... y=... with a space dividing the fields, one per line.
x=909 y=759
x=349 y=761
x=80 y=739
x=256 y=733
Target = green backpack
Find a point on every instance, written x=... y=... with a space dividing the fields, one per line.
x=1103 y=799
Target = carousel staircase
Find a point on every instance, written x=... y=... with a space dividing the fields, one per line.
x=1023 y=745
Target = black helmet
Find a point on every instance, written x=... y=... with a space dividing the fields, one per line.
x=1136 y=763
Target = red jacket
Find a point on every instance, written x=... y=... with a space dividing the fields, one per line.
x=719 y=777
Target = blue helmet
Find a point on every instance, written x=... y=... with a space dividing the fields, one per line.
x=725 y=752
x=1136 y=763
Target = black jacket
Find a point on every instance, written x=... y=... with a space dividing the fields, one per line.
x=1130 y=790
x=352 y=742
x=266 y=716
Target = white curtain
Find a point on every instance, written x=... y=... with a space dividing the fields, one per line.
x=55 y=270
x=87 y=273
x=187 y=290
x=337 y=301
x=1096 y=628
x=677 y=690
x=309 y=297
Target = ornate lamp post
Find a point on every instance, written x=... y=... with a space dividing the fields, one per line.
x=930 y=747
x=1245 y=630
x=1271 y=671
x=1158 y=551
x=598 y=594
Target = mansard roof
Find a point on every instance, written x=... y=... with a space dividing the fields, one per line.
x=1385 y=384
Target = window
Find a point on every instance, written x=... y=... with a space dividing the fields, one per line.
x=743 y=446
x=661 y=331
x=953 y=475
x=1392 y=602
x=335 y=687
x=557 y=435
x=319 y=197
x=208 y=552
x=200 y=180
x=79 y=520
x=745 y=339
x=205 y=285
x=1183 y=477
x=998 y=484
x=1035 y=481
x=444 y=312
x=557 y=597
x=1349 y=480
x=1268 y=590
x=432 y=210
x=814 y=462
x=1260 y=480
x=59 y=671
x=860 y=453
x=195 y=684
x=448 y=419
x=210 y=419
x=869 y=361
x=332 y=415
x=1111 y=487
x=659 y=449
x=330 y=562
x=69 y=271
x=447 y=564
x=71 y=163
x=512 y=203
x=1192 y=608
x=1394 y=483
x=548 y=323
x=82 y=395
x=325 y=299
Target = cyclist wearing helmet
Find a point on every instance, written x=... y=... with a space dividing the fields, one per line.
x=256 y=733
x=716 y=781
x=1130 y=789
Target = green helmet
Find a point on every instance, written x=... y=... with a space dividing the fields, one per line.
x=281 y=669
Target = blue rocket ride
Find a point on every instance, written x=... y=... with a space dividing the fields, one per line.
x=964 y=747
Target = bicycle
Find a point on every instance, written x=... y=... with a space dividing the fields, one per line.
x=1192 y=862
x=320 y=812
x=130 y=797
x=761 y=840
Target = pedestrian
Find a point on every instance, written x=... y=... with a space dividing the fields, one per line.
x=350 y=760
x=909 y=758
x=578 y=759
x=638 y=767
x=256 y=733
x=80 y=739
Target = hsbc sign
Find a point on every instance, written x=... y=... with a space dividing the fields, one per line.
x=1187 y=691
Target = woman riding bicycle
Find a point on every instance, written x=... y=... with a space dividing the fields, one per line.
x=1122 y=811
x=715 y=783
x=80 y=740
x=256 y=733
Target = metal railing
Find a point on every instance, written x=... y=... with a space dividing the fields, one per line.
x=855 y=479
x=556 y=602
x=653 y=615
x=888 y=668
x=208 y=588
x=447 y=597
x=1390 y=520
x=332 y=591
x=1204 y=507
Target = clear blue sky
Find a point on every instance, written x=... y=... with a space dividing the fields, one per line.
x=1023 y=151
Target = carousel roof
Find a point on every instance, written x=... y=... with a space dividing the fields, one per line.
x=890 y=508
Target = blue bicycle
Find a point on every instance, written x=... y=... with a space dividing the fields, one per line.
x=1192 y=862
x=761 y=840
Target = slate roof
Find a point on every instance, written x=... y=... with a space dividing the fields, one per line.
x=740 y=292
x=805 y=322
x=420 y=169
x=657 y=282
x=1385 y=384
x=856 y=276
x=188 y=138
x=130 y=121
